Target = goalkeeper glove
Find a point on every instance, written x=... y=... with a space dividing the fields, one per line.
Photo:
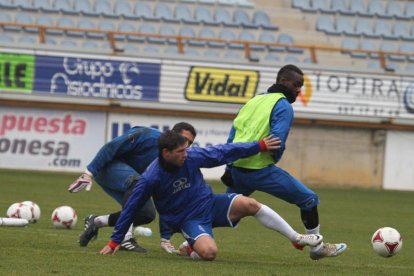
x=83 y=182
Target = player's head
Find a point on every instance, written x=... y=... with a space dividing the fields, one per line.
x=186 y=130
x=291 y=77
x=172 y=148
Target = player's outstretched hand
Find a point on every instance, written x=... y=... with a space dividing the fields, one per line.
x=271 y=143
x=83 y=182
x=108 y=250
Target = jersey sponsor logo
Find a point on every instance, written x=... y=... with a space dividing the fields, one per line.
x=181 y=184
x=221 y=85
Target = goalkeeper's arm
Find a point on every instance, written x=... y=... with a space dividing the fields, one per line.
x=83 y=182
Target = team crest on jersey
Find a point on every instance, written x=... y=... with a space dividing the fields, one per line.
x=180 y=184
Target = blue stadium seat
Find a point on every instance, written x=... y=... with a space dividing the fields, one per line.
x=66 y=22
x=88 y=44
x=183 y=13
x=151 y=49
x=130 y=48
x=402 y=30
x=7 y=4
x=48 y=21
x=232 y=55
x=123 y=9
x=339 y=6
x=144 y=11
x=104 y=8
x=25 y=39
x=165 y=13
x=25 y=5
x=374 y=65
x=6 y=18
x=68 y=43
x=250 y=37
x=64 y=6
x=321 y=5
x=240 y=17
x=271 y=58
x=409 y=9
x=204 y=16
x=392 y=66
x=124 y=27
x=291 y=59
x=188 y=31
x=363 y=26
x=358 y=7
x=25 y=19
x=383 y=28
x=375 y=7
x=288 y=39
x=50 y=41
x=44 y=6
x=369 y=45
x=191 y=52
x=394 y=9
x=325 y=24
x=268 y=37
x=407 y=48
x=84 y=7
x=303 y=5
x=227 y=34
x=344 y=25
x=260 y=18
x=211 y=53
x=106 y=25
x=391 y=47
x=207 y=33
x=6 y=38
x=171 y=51
x=146 y=29
x=349 y=44
x=85 y=23
x=223 y=16
x=168 y=30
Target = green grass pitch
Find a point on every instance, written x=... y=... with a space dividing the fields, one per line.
x=346 y=215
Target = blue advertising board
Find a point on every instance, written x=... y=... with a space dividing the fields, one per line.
x=97 y=78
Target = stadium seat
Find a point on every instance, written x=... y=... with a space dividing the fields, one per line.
x=85 y=23
x=48 y=21
x=168 y=30
x=123 y=9
x=145 y=28
x=363 y=26
x=44 y=6
x=325 y=24
x=401 y=29
x=344 y=25
x=245 y=4
x=207 y=2
x=104 y=8
x=211 y=53
x=25 y=18
x=288 y=39
x=68 y=43
x=369 y=45
x=392 y=66
x=240 y=17
x=124 y=27
x=261 y=19
x=232 y=55
x=143 y=10
x=391 y=47
x=183 y=13
x=130 y=48
x=7 y=4
x=188 y=31
x=25 y=39
x=26 y=5
x=409 y=67
x=349 y=44
x=171 y=51
x=6 y=38
x=250 y=37
x=322 y=6
x=271 y=58
x=374 y=65
x=207 y=33
x=375 y=7
x=409 y=9
x=227 y=34
x=165 y=13
x=106 y=25
x=339 y=6
x=303 y=5
x=223 y=16
x=191 y=52
x=150 y=50
x=50 y=41
x=64 y=6
x=88 y=44
x=291 y=59
x=394 y=9
x=268 y=37
x=84 y=7
x=204 y=16
x=407 y=48
x=357 y=7
x=66 y=22
x=383 y=28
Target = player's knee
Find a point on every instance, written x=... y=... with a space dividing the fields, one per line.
x=208 y=253
x=252 y=206
x=312 y=201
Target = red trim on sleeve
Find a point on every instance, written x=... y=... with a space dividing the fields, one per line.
x=262 y=146
x=112 y=244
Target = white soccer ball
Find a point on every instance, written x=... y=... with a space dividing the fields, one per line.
x=386 y=242
x=21 y=210
x=35 y=210
x=64 y=217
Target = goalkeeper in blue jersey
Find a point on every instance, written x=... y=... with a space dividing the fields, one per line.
x=187 y=204
x=272 y=113
x=116 y=167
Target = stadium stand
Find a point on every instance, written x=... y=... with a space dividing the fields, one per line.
x=309 y=30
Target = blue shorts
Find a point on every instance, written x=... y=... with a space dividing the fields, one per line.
x=275 y=181
x=217 y=216
x=115 y=179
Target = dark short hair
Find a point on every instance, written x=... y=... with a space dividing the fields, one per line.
x=184 y=126
x=286 y=71
x=170 y=140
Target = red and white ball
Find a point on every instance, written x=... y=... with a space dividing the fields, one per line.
x=35 y=209
x=386 y=242
x=64 y=217
x=24 y=211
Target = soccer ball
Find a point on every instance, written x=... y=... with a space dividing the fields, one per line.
x=386 y=242
x=64 y=217
x=35 y=210
x=21 y=210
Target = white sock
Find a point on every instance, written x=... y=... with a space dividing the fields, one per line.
x=129 y=234
x=101 y=221
x=272 y=220
x=315 y=231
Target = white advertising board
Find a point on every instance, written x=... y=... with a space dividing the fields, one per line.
x=209 y=131
x=49 y=139
x=399 y=161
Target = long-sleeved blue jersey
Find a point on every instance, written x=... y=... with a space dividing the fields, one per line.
x=280 y=121
x=182 y=194
x=138 y=147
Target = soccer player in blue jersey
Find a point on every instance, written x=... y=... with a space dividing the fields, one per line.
x=116 y=167
x=272 y=113
x=186 y=203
